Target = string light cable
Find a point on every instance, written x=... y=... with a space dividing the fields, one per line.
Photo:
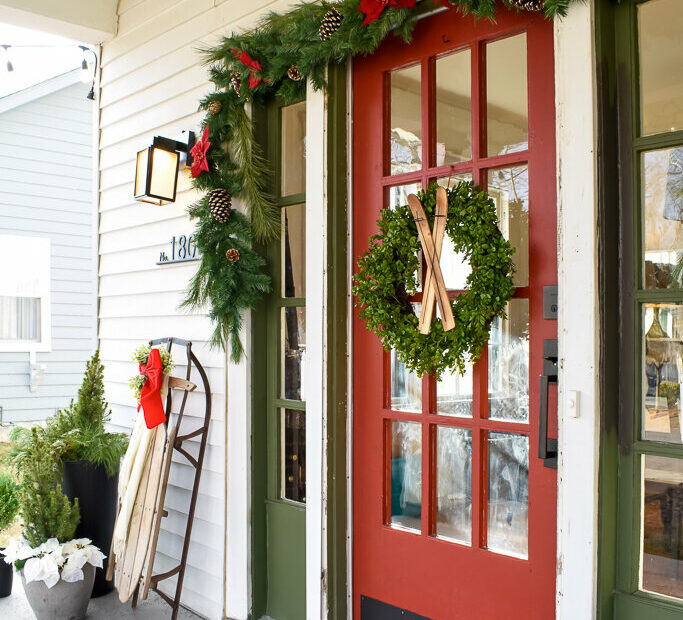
x=85 y=65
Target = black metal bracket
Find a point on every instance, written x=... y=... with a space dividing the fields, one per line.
x=547 y=448
x=182 y=143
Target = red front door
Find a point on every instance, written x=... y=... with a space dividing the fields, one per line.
x=454 y=513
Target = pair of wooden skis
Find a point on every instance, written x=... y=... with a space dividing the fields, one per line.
x=432 y=243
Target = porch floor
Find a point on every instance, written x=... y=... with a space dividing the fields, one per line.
x=15 y=607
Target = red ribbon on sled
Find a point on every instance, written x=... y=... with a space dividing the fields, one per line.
x=150 y=396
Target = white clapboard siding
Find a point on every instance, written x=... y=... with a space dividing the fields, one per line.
x=46 y=183
x=152 y=78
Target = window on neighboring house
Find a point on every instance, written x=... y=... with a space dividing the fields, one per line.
x=24 y=293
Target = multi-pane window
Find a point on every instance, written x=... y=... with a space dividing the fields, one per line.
x=291 y=305
x=458 y=449
x=652 y=548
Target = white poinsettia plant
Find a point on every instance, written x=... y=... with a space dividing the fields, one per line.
x=53 y=560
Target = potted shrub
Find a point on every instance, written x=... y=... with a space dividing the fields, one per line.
x=56 y=570
x=9 y=506
x=90 y=458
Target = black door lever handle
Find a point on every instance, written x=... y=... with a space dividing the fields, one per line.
x=547 y=448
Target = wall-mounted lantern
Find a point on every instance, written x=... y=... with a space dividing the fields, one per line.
x=156 y=172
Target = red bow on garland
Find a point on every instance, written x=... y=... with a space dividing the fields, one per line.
x=150 y=395
x=254 y=65
x=372 y=9
x=198 y=152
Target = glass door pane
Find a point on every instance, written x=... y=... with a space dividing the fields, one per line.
x=662 y=217
x=406 y=120
x=507 y=107
x=660 y=23
x=454 y=108
x=661 y=566
x=508 y=501
x=662 y=372
x=406 y=474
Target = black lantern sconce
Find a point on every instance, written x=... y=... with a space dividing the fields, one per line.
x=156 y=171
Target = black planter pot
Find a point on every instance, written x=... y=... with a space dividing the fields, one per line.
x=6 y=572
x=97 y=496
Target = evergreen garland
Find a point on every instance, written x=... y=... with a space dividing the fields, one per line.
x=252 y=66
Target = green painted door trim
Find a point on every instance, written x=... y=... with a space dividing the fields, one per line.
x=621 y=298
x=337 y=339
x=608 y=278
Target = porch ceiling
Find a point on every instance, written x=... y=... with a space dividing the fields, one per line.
x=91 y=22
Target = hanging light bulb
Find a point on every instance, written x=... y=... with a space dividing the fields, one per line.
x=85 y=69
x=9 y=65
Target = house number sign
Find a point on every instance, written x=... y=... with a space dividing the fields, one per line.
x=182 y=249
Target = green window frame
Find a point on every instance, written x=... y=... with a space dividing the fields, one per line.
x=623 y=450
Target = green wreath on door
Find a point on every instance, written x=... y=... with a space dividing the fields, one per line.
x=387 y=279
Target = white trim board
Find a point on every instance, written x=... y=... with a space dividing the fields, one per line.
x=578 y=327
x=316 y=357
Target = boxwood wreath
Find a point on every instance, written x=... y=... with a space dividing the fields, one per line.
x=276 y=59
x=386 y=279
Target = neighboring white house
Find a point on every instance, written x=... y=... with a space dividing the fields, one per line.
x=48 y=299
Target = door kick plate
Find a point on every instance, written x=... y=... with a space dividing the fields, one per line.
x=372 y=609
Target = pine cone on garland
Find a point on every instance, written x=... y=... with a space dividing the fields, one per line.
x=527 y=5
x=232 y=255
x=215 y=107
x=330 y=24
x=236 y=82
x=294 y=74
x=220 y=204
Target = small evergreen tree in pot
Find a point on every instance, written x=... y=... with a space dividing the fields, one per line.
x=45 y=510
x=90 y=458
x=86 y=459
x=57 y=571
x=9 y=506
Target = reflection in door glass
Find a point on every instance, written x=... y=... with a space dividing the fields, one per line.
x=293 y=455
x=509 y=188
x=406 y=120
x=293 y=240
x=508 y=506
x=406 y=387
x=453 y=108
x=661 y=567
x=293 y=149
x=662 y=217
x=454 y=393
x=662 y=372
x=406 y=474
x=454 y=483
x=509 y=364
x=660 y=23
x=398 y=195
x=293 y=353
x=506 y=96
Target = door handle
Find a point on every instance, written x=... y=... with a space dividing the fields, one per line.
x=547 y=448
